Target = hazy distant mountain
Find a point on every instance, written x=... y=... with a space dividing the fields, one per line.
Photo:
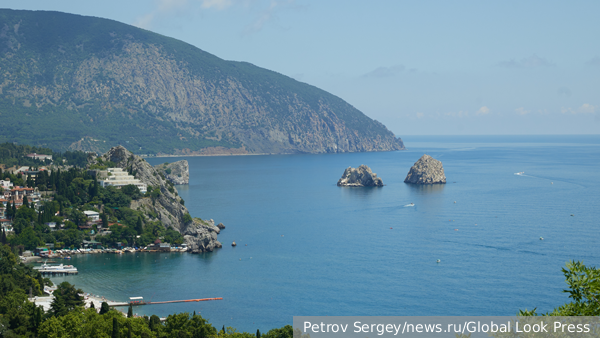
x=70 y=81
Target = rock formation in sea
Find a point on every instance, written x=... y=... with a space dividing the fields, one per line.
x=426 y=170
x=359 y=177
x=176 y=172
x=199 y=235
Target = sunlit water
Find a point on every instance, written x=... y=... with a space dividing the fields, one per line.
x=308 y=247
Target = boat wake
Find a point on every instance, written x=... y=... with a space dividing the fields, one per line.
x=410 y=205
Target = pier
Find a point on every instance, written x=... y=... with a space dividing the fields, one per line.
x=135 y=301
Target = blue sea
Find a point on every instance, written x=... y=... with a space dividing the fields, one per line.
x=308 y=247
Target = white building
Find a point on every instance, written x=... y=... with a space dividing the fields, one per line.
x=92 y=215
x=119 y=178
x=40 y=156
x=6 y=183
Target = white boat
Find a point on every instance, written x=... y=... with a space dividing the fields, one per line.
x=520 y=173
x=56 y=269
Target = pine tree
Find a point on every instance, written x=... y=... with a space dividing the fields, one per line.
x=257 y=333
x=138 y=226
x=104 y=308
x=4 y=241
x=9 y=210
x=92 y=306
x=104 y=220
x=115 y=333
x=130 y=311
x=129 y=333
x=25 y=202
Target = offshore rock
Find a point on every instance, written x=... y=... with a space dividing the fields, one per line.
x=359 y=177
x=199 y=235
x=426 y=170
x=176 y=172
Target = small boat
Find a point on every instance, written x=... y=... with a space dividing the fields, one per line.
x=520 y=173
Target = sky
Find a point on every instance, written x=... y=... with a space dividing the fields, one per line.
x=419 y=67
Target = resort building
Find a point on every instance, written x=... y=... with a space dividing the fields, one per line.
x=119 y=178
x=41 y=157
x=92 y=215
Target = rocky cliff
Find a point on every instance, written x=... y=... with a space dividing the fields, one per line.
x=426 y=170
x=359 y=177
x=199 y=235
x=176 y=172
x=98 y=83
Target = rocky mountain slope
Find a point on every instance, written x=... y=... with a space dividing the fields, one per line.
x=176 y=172
x=200 y=235
x=69 y=81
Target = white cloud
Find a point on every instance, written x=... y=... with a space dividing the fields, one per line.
x=420 y=115
x=587 y=108
x=522 y=111
x=567 y=110
x=385 y=71
x=533 y=61
x=145 y=21
x=483 y=111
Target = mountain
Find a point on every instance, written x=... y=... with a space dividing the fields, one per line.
x=86 y=83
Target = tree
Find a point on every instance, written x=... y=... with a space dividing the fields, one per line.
x=257 y=333
x=139 y=226
x=584 y=289
x=3 y=239
x=115 y=331
x=284 y=332
x=92 y=306
x=66 y=299
x=104 y=220
x=154 y=323
x=104 y=308
x=25 y=202
x=130 y=311
x=9 y=210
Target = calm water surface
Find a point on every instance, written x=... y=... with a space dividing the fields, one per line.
x=308 y=247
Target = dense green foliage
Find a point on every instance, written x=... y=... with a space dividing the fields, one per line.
x=12 y=154
x=584 y=289
x=74 y=192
